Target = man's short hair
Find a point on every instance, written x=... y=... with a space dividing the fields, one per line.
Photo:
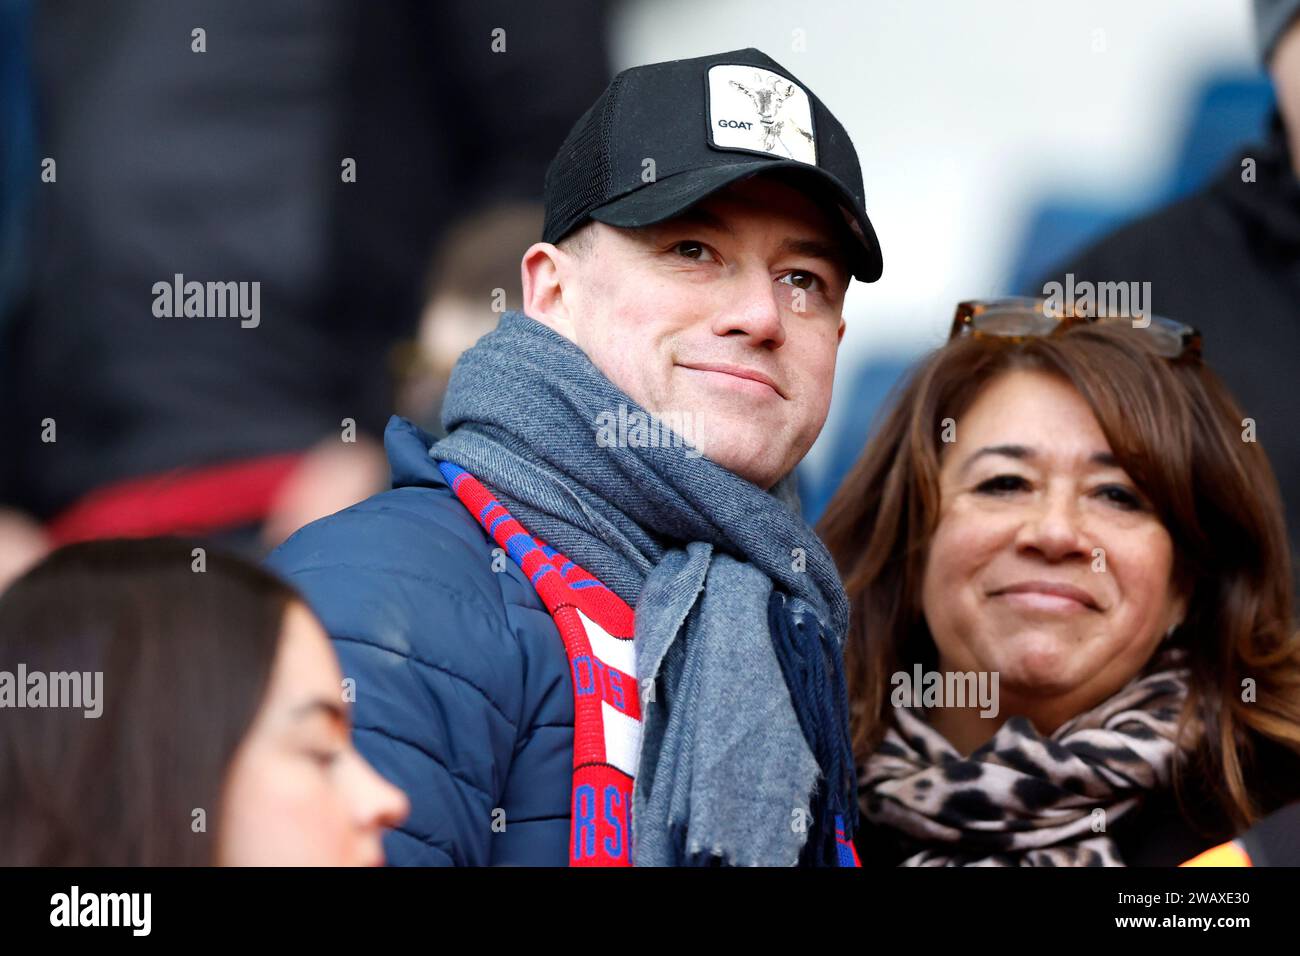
x=579 y=242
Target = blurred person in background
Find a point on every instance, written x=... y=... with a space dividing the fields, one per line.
x=1227 y=261
x=22 y=539
x=319 y=151
x=1067 y=507
x=219 y=733
x=473 y=279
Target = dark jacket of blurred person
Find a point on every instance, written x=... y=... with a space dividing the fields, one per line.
x=229 y=164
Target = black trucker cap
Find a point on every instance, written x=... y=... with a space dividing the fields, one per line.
x=704 y=122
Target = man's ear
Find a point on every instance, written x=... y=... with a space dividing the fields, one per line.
x=547 y=274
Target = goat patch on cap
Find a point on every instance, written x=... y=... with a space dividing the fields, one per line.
x=757 y=111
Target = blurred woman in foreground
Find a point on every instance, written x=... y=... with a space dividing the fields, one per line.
x=1074 y=513
x=211 y=726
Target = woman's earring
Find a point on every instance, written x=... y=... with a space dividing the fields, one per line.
x=1169 y=634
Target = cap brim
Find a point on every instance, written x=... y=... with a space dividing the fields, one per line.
x=673 y=195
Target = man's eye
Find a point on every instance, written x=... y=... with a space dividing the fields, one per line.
x=691 y=249
x=802 y=280
x=1001 y=485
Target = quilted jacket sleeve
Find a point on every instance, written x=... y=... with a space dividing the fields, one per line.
x=455 y=700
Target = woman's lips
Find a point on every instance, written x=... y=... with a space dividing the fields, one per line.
x=1047 y=596
x=738 y=376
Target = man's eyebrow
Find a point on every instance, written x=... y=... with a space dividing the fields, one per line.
x=813 y=248
x=321 y=705
x=816 y=249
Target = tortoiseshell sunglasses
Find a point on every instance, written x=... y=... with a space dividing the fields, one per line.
x=1022 y=317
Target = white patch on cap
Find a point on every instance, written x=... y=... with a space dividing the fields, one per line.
x=755 y=109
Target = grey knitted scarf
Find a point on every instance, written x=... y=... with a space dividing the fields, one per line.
x=730 y=766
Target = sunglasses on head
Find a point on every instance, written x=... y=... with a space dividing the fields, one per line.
x=1023 y=317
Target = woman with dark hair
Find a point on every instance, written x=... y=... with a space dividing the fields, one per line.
x=1074 y=515
x=218 y=731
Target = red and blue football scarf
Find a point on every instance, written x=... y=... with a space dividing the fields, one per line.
x=596 y=626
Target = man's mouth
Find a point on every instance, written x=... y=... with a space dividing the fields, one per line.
x=762 y=383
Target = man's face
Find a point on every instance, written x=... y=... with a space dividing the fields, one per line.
x=750 y=280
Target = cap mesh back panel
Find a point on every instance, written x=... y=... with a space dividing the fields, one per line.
x=578 y=179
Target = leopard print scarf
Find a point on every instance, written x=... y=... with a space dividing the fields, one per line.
x=1024 y=799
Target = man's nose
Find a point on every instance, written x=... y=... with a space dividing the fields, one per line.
x=1052 y=528
x=751 y=308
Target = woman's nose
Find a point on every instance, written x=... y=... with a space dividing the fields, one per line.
x=378 y=803
x=1052 y=528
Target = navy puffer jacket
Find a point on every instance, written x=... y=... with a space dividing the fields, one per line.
x=463 y=694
